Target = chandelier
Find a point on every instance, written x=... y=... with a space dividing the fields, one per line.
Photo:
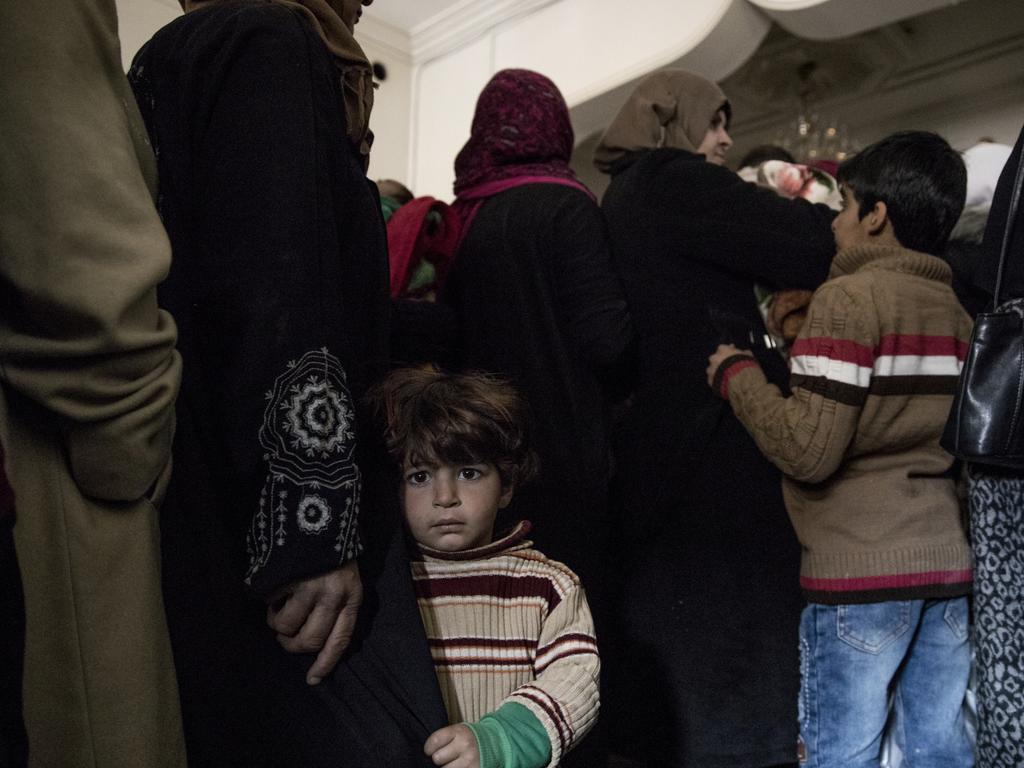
x=814 y=137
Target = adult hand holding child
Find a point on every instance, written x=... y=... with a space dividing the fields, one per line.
x=318 y=615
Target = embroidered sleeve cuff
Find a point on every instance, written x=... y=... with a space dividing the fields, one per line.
x=729 y=368
x=306 y=520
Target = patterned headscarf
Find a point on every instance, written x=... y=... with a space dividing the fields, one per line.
x=350 y=61
x=521 y=134
x=671 y=108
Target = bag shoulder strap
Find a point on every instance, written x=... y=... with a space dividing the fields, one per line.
x=1011 y=219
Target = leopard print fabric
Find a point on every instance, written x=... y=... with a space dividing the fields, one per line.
x=997 y=532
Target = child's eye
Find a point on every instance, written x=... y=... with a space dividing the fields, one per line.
x=417 y=477
x=469 y=473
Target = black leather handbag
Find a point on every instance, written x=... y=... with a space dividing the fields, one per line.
x=986 y=424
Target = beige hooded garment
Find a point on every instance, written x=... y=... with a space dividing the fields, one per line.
x=671 y=108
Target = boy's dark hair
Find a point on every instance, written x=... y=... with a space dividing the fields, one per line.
x=442 y=418
x=763 y=153
x=920 y=178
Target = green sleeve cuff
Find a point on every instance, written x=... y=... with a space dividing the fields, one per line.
x=511 y=737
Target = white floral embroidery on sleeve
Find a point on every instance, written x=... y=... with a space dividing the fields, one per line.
x=313 y=483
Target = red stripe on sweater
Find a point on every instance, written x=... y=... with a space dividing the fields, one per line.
x=731 y=371
x=909 y=344
x=895 y=581
x=497 y=586
x=834 y=349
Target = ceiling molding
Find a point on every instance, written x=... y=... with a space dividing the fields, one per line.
x=464 y=22
x=390 y=40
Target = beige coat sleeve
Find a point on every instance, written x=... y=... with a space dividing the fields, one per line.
x=82 y=248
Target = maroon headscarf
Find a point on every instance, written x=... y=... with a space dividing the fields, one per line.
x=521 y=134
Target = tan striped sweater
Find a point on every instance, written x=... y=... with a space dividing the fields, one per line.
x=867 y=485
x=505 y=623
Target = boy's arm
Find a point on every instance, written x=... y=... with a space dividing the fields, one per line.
x=806 y=435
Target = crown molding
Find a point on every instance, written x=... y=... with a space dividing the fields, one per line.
x=463 y=22
x=389 y=40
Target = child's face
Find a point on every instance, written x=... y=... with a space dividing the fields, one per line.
x=848 y=228
x=452 y=507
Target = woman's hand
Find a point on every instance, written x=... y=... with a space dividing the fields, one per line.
x=453 y=747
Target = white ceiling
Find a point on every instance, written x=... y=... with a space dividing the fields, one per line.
x=407 y=14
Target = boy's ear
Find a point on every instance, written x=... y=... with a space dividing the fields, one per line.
x=506 y=495
x=877 y=218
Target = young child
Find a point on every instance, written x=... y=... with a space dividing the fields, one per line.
x=510 y=631
x=886 y=566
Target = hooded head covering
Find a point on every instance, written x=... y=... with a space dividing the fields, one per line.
x=352 y=65
x=521 y=134
x=671 y=108
x=520 y=128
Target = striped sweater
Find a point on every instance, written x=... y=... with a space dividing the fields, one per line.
x=867 y=486
x=506 y=624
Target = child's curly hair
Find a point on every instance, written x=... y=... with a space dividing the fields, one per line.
x=451 y=418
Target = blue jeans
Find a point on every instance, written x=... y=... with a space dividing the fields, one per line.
x=854 y=656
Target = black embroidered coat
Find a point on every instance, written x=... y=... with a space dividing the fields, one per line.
x=709 y=568
x=279 y=285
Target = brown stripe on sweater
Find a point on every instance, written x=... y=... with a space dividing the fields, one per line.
x=830 y=389
x=482 y=642
x=572 y=636
x=914 y=385
x=489 y=586
x=482 y=661
x=549 y=705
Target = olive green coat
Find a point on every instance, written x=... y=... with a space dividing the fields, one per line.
x=88 y=377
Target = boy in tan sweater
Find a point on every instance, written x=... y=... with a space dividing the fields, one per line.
x=510 y=631
x=886 y=566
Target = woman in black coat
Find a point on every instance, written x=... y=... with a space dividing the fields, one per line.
x=996 y=497
x=710 y=601
x=537 y=300
x=258 y=115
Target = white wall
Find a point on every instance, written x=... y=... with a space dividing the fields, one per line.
x=446 y=92
x=391 y=111
x=137 y=20
x=589 y=48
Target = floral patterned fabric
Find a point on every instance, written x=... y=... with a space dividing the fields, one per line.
x=520 y=128
x=997 y=535
x=521 y=134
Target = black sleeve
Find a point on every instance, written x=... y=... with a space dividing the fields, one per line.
x=276 y=357
x=589 y=292
x=750 y=230
x=984 y=277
